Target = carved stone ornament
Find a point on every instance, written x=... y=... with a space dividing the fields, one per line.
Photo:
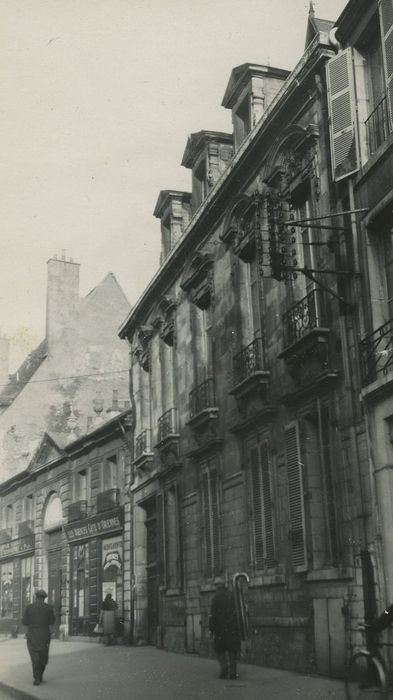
x=197 y=280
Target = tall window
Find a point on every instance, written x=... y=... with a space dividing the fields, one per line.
x=261 y=498
x=172 y=539
x=388 y=259
x=9 y=518
x=26 y=592
x=313 y=523
x=254 y=311
x=207 y=340
x=28 y=507
x=80 y=580
x=81 y=485
x=6 y=588
x=112 y=473
x=211 y=515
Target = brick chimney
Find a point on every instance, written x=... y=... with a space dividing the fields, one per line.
x=62 y=297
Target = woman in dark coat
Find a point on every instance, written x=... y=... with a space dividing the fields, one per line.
x=108 y=619
x=38 y=618
x=223 y=625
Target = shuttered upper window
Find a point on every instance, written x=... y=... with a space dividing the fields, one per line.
x=211 y=522
x=342 y=115
x=296 y=497
x=262 y=513
x=386 y=19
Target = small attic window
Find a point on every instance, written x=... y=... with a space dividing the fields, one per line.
x=166 y=237
x=242 y=121
x=200 y=181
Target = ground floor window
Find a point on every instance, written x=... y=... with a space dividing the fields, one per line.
x=211 y=517
x=112 y=569
x=26 y=581
x=80 y=580
x=6 y=588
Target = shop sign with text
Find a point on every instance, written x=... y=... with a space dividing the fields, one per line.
x=95 y=526
x=23 y=545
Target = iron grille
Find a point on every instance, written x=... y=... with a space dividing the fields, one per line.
x=302 y=317
x=377 y=125
x=167 y=424
x=203 y=396
x=248 y=361
x=142 y=443
x=376 y=351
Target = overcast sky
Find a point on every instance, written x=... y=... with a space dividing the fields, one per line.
x=97 y=100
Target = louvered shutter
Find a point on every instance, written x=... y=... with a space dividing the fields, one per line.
x=342 y=115
x=207 y=540
x=215 y=513
x=296 y=498
x=267 y=505
x=161 y=563
x=257 y=507
x=386 y=20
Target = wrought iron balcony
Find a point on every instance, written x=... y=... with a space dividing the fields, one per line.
x=302 y=318
x=202 y=397
x=248 y=361
x=108 y=500
x=378 y=126
x=167 y=424
x=376 y=351
x=143 y=443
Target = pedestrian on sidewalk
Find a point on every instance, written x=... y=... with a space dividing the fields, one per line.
x=108 y=619
x=224 y=627
x=38 y=618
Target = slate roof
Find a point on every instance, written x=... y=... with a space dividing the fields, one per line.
x=23 y=375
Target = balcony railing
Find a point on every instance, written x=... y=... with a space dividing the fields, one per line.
x=302 y=318
x=107 y=500
x=167 y=424
x=377 y=125
x=248 y=361
x=202 y=397
x=143 y=443
x=376 y=351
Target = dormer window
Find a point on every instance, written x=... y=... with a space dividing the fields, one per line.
x=200 y=181
x=242 y=121
x=166 y=237
x=173 y=210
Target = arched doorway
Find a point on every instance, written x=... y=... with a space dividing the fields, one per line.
x=52 y=526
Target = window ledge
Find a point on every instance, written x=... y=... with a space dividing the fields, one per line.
x=330 y=574
x=273 y=578
x=173 y=592
x=208 y=588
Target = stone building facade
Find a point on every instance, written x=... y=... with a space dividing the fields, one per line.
x=69 y=531
x=251 y=443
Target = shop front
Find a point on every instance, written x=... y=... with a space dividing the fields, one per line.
x=16 y=581
x=96 y=568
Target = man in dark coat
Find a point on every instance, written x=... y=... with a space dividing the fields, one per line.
x=38 y=618
x=223 y=625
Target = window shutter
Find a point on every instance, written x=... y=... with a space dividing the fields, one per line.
x=342 y=115
x=296 y=498
x=386 y=19
x=161 y=539
x=215 y=511
x=207 y=524
x=257 y=507
x=267 y=506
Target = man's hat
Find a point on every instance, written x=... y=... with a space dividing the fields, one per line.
x=40 y=593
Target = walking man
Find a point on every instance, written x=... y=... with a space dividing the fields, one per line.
x=38 y=618
x=223 y=625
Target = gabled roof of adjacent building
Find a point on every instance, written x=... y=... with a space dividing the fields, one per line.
x=316 y=25
x=23 y=375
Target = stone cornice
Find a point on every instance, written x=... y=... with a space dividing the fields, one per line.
x=242 y=168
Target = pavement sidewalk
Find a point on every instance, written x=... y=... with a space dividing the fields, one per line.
x=79 y=670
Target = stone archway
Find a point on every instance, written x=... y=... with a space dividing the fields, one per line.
x=52 y=568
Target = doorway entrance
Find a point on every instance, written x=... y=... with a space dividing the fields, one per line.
x=152 y=574
x=54 y=575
